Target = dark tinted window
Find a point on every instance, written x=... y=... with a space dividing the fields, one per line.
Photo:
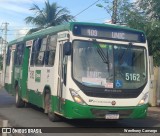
x=50 y=50
x=39 y=59
x=35 y=50
x=19 y=54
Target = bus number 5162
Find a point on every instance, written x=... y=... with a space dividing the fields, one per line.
x=132 y=77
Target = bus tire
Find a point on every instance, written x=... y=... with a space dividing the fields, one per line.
x=51 y=115
x=19 y=102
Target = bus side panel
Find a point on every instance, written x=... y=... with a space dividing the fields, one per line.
x=40 y=75
x=25 y=73
x=38 y=79
x=35 y=98
x=31 y=90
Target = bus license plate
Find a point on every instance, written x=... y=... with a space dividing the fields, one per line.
x=112 y=116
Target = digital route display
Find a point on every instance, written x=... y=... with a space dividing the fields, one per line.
x=110 y=33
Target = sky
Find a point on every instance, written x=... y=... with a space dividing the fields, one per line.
x=15 y=11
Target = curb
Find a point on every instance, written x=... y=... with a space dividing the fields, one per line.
x=154 y=109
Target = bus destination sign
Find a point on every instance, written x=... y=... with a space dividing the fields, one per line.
x=108 y=33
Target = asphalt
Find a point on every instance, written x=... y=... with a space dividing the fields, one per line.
x=151 y=111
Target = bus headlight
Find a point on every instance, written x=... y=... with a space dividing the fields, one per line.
x=144 y=99
x=76 y=97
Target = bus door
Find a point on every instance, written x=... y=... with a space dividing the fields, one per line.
x=25 y=73
x=29 y=45
x=61 y=78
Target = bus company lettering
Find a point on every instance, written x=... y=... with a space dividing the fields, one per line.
x=38 y=76
x=99 y=101
x=25 y=130
x=113 y=90
x=32 y=74
x=117 y=35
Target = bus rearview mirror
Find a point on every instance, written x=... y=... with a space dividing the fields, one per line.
x=67 y=48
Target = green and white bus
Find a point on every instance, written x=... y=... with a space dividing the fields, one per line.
x=81 y=71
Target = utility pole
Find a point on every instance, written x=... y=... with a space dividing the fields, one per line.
x=5 y=34
x=1 y=44
x=114 y=14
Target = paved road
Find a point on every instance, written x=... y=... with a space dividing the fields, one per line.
x=34 y=117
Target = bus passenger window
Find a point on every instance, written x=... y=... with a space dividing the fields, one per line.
x=19 y=54
x=50 y=50
x=40 y=52
x=51 y=58
x=35 y=49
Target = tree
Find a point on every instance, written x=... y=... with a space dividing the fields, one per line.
x=143 y=15
x=152 y=26
x=50 y=15
x=152 y=10
x=117 y=9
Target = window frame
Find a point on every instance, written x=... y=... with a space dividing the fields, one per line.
x=48 y=53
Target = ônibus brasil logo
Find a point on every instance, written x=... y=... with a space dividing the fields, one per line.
x=38 y=76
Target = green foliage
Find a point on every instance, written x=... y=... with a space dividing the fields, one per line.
x=148 y=20
x=122 y=9
x=143 y=15
x=50 y=15
x=151 y=8
x=106 y=6
x=152 y=30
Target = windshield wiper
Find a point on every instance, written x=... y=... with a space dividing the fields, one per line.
x=101 y=53
x=126 y=52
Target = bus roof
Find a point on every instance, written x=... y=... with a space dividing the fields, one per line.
x=105 y=25
x=65 y=27
x=49 y=30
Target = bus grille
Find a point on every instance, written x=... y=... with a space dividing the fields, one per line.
x=112 y=95
x=101 y=113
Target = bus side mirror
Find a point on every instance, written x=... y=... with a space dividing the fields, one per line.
x=67 y=48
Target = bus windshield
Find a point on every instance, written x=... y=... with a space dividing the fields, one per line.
x=125 y=67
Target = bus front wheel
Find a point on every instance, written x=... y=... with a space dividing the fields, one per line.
x=19 y=102
x=51 y=115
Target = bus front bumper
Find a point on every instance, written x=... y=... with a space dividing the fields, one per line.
x=74 y=110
